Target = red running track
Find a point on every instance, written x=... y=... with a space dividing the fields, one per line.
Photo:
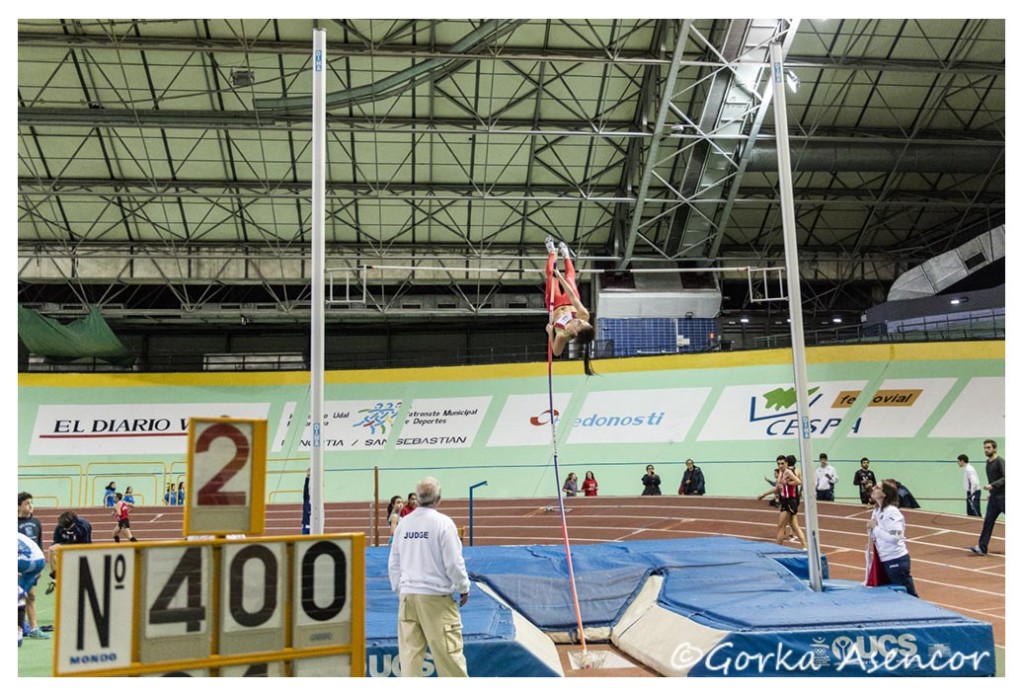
x=945 y=571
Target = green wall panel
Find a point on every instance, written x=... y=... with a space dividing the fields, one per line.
x=911 y=409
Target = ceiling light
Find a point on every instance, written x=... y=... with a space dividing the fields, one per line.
x=958 y=300
x=243 y=78
x=744 y=320
x=837 y=320
x=792 y=80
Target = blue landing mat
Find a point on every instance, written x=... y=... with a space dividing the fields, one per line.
x=754 y=595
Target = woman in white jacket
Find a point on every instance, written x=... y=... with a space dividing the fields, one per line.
x=887 y=530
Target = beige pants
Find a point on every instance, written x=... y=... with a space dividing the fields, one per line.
x=435 y=621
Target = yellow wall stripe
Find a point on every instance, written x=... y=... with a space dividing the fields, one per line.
x=882 y=352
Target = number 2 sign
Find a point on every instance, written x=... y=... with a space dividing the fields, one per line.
x=227 y=464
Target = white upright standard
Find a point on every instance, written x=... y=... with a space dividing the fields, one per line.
x=795 y=312
x=316 y=318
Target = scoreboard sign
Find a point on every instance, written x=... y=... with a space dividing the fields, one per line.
x=176 y=594
x=95 y=606
x=273 y=606
x=252 y=583
x=227 y=465
x=321 y=610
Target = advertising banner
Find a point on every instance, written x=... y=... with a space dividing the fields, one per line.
x=525 y=420
x=648 y=415
x=442 y=423
x=100 y=429
x=355 y=425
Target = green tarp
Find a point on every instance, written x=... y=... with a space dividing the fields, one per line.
x=88 y=337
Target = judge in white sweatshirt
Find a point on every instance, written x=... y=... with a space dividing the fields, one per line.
x=426 y=568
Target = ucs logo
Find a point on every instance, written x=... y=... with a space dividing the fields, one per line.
x=386 y=665
x=869 y=646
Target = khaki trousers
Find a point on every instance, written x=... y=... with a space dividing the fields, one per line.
x=432 y=620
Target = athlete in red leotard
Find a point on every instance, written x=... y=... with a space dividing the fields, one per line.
x=568 y=319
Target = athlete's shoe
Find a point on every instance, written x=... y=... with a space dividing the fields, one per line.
x=977 y=551
x=37 y=634
x=564 y=248
x=549 y=244
x=51 y=587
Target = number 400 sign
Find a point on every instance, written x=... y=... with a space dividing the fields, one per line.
x=227 y=465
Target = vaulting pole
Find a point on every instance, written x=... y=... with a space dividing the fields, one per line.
x=796 y=319
x=316 y=320
x=558 y=477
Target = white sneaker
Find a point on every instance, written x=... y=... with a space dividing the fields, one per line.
x=564 y=248
x=549 y=244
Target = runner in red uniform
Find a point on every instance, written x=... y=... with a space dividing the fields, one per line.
x=788 y=484
x=121 y=509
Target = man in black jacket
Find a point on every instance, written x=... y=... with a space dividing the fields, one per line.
x=864 y=479
x=995 y=471
x=693 y=480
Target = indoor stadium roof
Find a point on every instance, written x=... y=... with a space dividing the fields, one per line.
x=164 y=165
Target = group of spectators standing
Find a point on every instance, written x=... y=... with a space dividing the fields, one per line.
x=174 y=496
x=692 y=482
x=398 y=508
x=572 y=486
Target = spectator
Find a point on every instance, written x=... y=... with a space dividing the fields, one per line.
x=693 y=480
x=887 y=529
x=411 y=504
x=651 y=481
x=972 y=486
x=307 y=507
x=995 y=472
x=181 y=493
x=31 y=563
x=589 y=484
x=70 y=529
x=129 y=496
x=425 y=567
x=28 y=523
x=108 y=494
x=865 y=481
x=395 y=508
x=825 y=479
x=169 y=497
x=30 y=526
x=570 y=485
x=121 y=510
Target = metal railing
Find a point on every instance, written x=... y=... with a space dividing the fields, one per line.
x=979 y=326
